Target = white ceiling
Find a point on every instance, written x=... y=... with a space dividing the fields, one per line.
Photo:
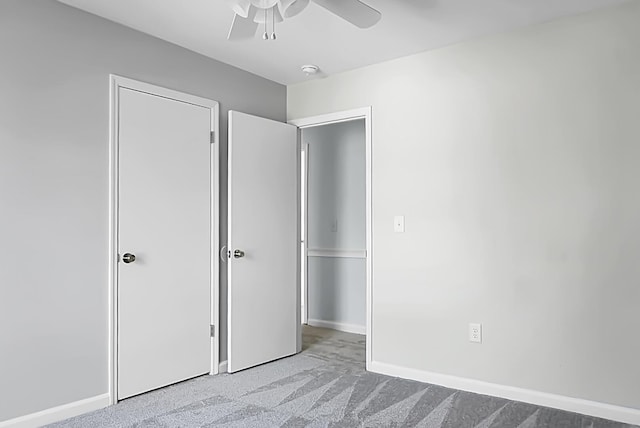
x=318 y=37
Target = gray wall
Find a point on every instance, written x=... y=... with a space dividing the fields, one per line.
x=54 y=109
x=336 y=197
x=515 y=161
x=337 y=291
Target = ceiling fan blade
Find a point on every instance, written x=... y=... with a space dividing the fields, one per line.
x=290 y=8
x=353 y=11
x=243 y=28
x=241 y=7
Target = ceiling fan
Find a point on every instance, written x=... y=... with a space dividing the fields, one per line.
x=250 y=14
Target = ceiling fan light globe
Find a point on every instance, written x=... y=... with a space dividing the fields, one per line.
x=240 y=7
x=290 y=8
x=264 y=4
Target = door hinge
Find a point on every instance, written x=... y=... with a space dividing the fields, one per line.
x=213 y=330
x=213 y=137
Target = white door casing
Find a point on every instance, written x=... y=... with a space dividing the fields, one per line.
x=264 y=284
x=345 y=116
x=164 y=208
x=304 y=233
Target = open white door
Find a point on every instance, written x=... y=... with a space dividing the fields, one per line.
x=263 y=241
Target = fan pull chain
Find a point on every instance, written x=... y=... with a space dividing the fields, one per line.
x=273 y=20
x=265 y=36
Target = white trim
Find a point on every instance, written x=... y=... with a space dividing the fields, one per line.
x=215 y=239
x=346 y=116
x=136 y=85
x=337 y=117
x=347 y=328
x=336 y=253
x=115 y=83
x=59 y=413
x=230 y=115
x=304 y=288
x=222 y=367
x=569 y=404
x=299 y=202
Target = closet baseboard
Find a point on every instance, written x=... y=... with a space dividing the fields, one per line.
x=347 y=328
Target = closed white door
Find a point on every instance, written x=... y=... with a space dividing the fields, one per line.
x=263 y=241
x=164 y=240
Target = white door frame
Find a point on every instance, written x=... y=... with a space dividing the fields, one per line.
x=117 y=82
x=347 y=116
x=304 y=265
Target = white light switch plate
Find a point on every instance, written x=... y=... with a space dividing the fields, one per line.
x=398 y=224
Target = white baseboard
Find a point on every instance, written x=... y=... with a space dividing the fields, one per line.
x=347 y=328
x=59 y=413
x=576 y=405
x=222 y=367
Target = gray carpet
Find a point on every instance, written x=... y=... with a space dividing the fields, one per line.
x=324 y=386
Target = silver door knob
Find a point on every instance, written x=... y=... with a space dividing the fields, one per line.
x=238 y=254
x=129 y=258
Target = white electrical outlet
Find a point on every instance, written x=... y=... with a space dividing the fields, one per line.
x=475 y=333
